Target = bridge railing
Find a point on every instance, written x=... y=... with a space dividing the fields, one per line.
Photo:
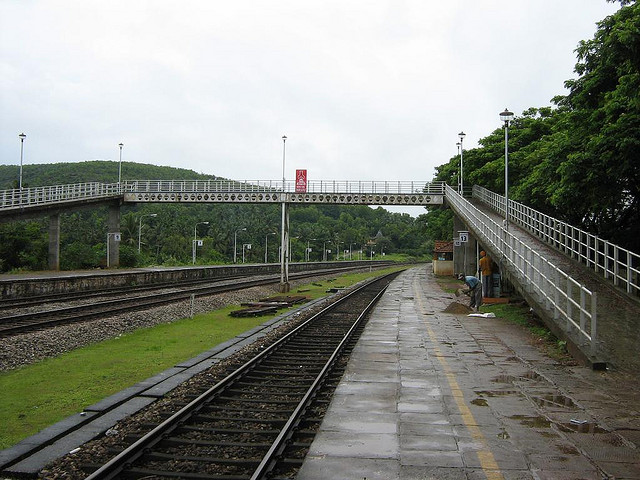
x=36 y=196
x=572 y=305
x=615 y=263
x=312 y=186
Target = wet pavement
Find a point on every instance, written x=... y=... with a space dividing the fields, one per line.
x=433 y=395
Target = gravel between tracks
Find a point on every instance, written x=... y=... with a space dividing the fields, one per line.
x=20 y=350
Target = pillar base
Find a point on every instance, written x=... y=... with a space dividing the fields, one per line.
x=285 y=287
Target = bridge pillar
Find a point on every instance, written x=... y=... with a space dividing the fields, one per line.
x=113 y=242
x=54 y=242
x=284 y=250
x=464 y=256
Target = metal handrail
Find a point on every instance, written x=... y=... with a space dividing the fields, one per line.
x=312 y=186
x=617 y=264
x=36 y=196
x=556 y=291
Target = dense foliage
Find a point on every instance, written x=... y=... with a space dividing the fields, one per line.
x=579 y=160
x=167 y=237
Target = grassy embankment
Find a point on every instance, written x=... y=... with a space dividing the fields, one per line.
x=38 y=395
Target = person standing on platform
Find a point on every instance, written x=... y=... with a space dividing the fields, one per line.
x=484 y=269
x=475 y=290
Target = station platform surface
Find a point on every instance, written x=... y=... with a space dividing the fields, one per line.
x=435 y=395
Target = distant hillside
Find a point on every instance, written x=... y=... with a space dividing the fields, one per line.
x=37 y=175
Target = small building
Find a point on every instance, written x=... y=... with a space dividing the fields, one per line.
x=443 y=258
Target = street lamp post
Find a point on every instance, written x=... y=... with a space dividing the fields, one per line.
x=458 y=144
x=22 y=137
x=461 y=135
x=235 y=243
x=506 y=117
x=284 y=252
x=120 y=166
x=195 y=238
x=140 y=228
x=266 y=245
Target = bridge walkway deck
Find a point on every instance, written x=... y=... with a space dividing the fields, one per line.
x=434 y=395
x=618 y=313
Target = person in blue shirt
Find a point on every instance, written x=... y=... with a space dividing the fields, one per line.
x=475 y=290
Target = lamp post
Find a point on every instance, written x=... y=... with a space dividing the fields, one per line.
x=506 y=117
x=284 y=252
x=284 y=143
x=461 y=135
x=458 y=144
x=22 y=137
x=120 y=166
x=140 y=228
x=195 y=238
x=235 y=243
x=266 y=244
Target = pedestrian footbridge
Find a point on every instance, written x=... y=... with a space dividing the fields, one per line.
x=584 y=287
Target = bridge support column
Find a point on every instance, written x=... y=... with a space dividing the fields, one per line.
x=54 y=242
x=284 y=250
x=113 y=240
x=464 y=256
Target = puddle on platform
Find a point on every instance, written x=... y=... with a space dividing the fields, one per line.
x=533 y=422
x=583 y=427
x=480 y=402
x=554 y=400
x=503 y=379
x=531 y=375
x=496 y=393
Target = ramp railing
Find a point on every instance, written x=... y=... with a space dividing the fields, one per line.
x=37 y=196
x=620 y=266
x=570 y=304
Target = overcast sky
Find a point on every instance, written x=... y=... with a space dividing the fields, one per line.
x=364 y=90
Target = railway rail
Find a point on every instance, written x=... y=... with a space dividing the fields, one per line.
x=258 y=421
x=17 y=323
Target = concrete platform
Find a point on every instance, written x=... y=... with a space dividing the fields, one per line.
x=432 y=395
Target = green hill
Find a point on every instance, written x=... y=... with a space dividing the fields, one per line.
x=37 y=175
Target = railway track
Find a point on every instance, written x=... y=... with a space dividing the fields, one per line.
x=18 y=323
x=257 y=422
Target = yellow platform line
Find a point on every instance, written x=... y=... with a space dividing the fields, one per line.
x=487 y=461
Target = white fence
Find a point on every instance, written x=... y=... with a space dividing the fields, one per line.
x=572 y=305
x=37 y=196
x=312 y=186
x=615 y=263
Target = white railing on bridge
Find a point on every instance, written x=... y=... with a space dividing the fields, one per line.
x=615 y=263
x=38 y=196
x=573 y=305
x=272 y=186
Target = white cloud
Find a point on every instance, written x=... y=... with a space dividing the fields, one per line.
x=369 y=90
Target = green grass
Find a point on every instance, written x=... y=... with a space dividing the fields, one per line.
x=38 y=395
